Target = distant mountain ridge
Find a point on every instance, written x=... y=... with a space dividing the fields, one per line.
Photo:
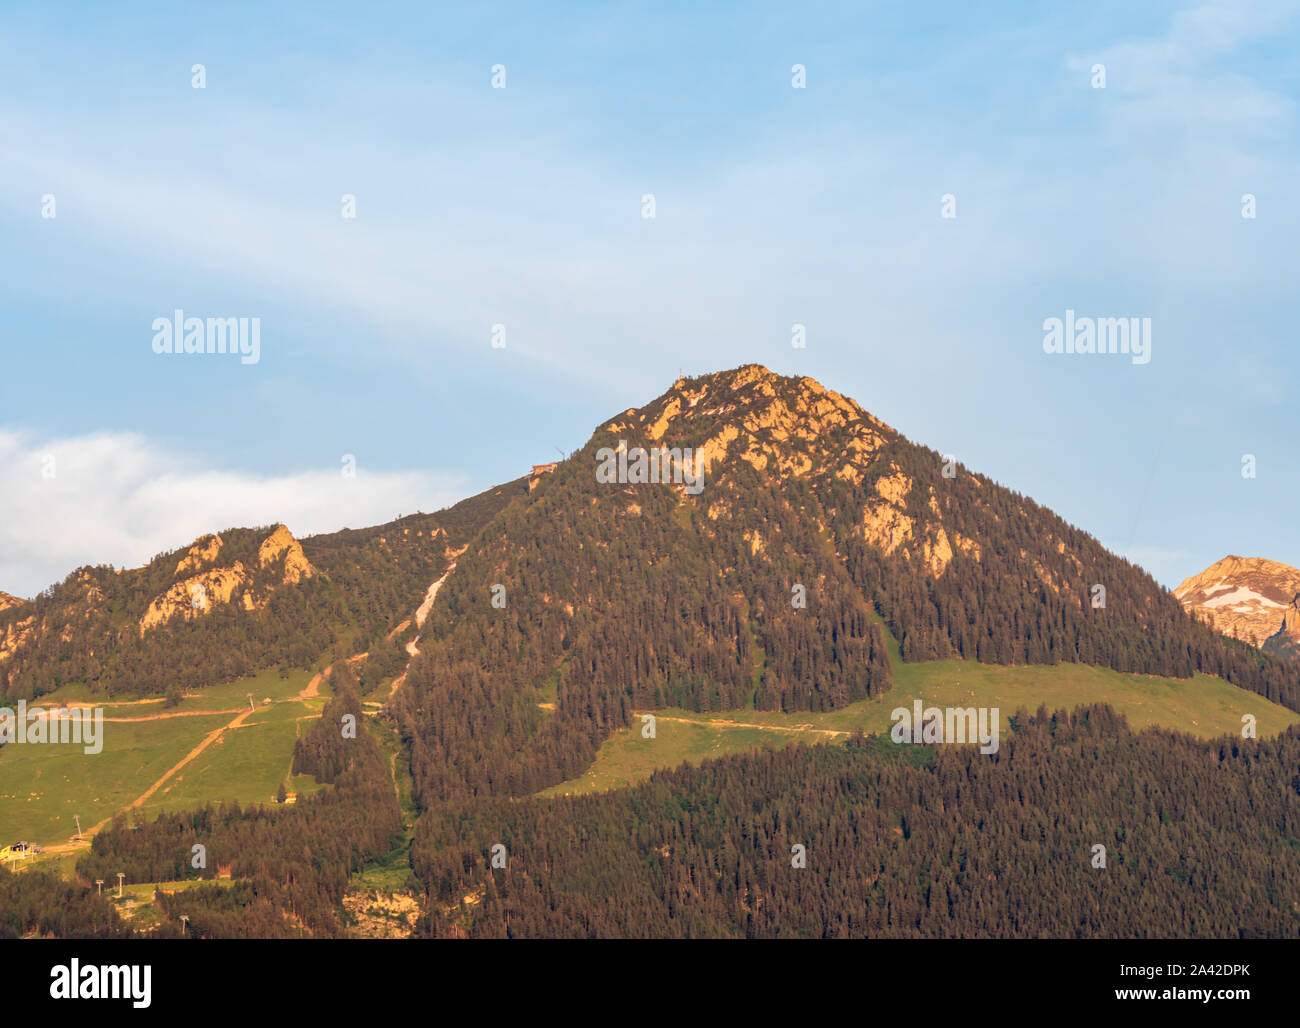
x=1248 y=598
x=824 y=552
x=632 y=593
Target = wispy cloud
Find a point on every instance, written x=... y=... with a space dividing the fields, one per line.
x=120 y=499
x=521 y=206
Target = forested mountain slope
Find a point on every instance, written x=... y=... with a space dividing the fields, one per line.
x=791 y=529
x=231 y=603
x=1199 y=842
x=636 y=594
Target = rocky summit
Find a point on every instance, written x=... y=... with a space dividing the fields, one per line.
x=1247 y=598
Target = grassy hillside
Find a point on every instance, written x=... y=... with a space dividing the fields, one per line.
x=760 y=580
x=1201 y=706
x=42 y=787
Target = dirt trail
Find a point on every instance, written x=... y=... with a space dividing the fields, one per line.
x=397 y=631
x=161 y=717
x=420 y=615
x=178 y=713
x=430 y=595
x=243 y=713
x=142 y=799
x=812 y=729
x=208 y=740
x=312 y=689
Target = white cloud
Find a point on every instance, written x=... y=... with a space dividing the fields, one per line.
x=447 y=243
x=1182 y=83
x=121 y=499
x=543 y=233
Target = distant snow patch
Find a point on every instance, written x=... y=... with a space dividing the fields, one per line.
x=1242 y=595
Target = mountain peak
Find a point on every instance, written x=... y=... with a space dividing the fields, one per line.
x=1246 y=597
x=749 y=420
x=752 y=383
x=1276 y=580
x=778 y=424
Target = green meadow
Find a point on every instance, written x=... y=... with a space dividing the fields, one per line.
x=246 y=765
x=226 y=696
x=1203 y=706
x=43 y=786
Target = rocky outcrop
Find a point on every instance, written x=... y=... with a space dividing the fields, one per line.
x=83 y=601
x=296 y=565
x=1247 y=598
x=8 y=602
x=381 y=915
x=1290 y=629
x=797 y=428
x=198 y=594
x=203 y=552
x=774 y=432
x=13 y=636
x=1286 y=642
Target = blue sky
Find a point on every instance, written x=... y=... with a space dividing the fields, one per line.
x=522 y=206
